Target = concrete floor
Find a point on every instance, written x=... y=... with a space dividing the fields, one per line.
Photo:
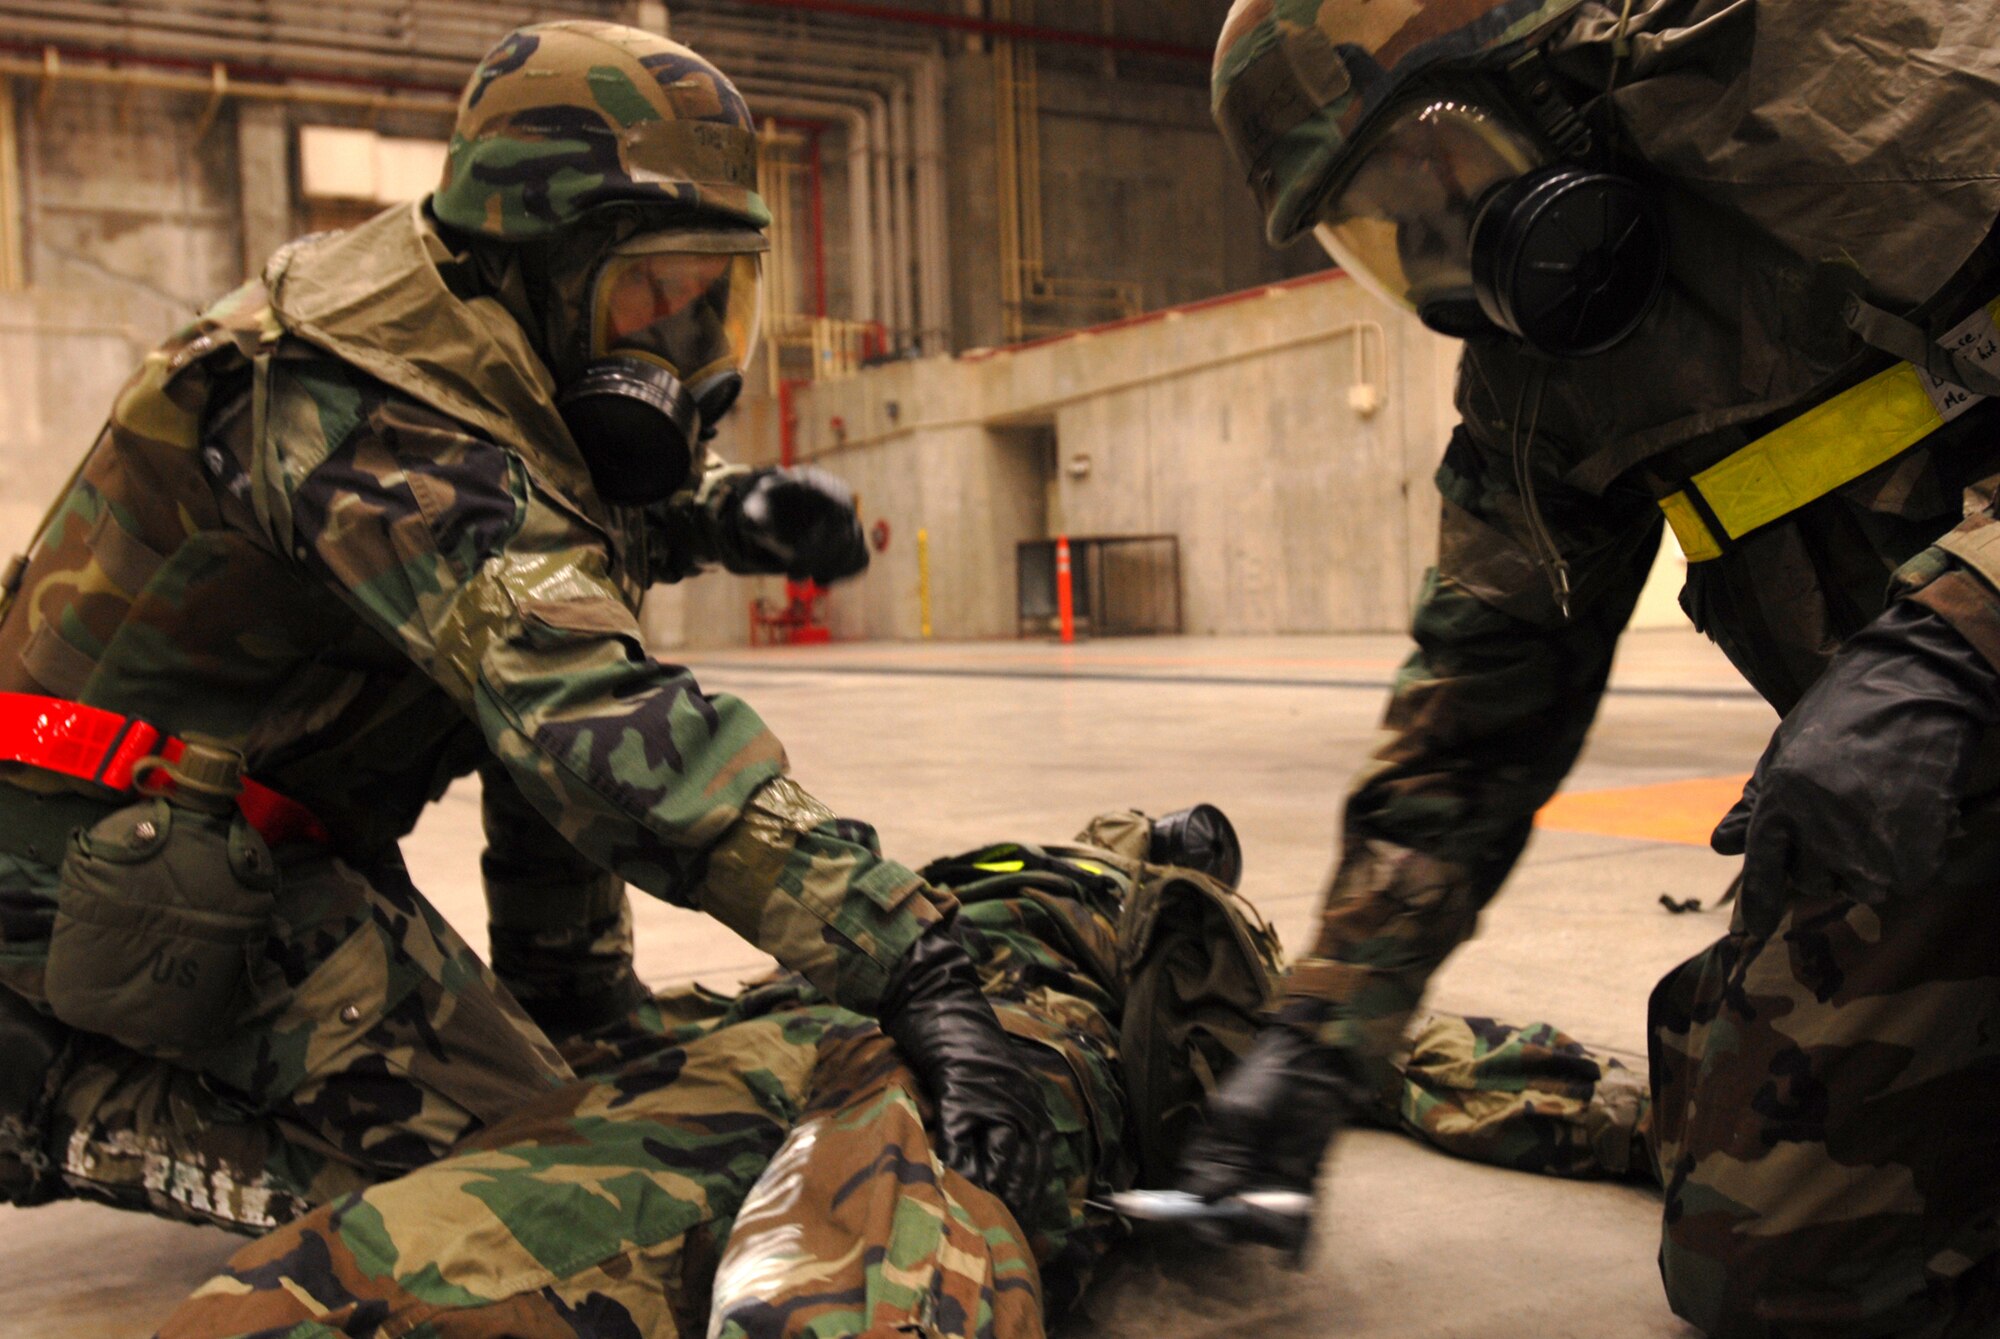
x=943 y=746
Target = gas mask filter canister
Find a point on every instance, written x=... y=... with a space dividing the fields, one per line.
x=1454 y=213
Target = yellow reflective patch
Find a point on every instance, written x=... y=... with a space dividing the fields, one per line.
x=1696 y=543
x=1002 y=866
x=1820 y=450
x=1833 y=444
x=1088 y=866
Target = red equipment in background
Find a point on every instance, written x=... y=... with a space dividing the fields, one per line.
x=1065 y=591
x=799 y=622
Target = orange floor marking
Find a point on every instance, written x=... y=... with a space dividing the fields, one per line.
x=1671 y=811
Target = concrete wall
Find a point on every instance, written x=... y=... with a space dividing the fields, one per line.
x=1137 y=187
x=65 y=355
x=136 y=213
x=131 y=222
x=1230 y=426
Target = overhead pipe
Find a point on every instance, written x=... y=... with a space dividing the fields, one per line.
x=902 y=155
x=904 y=283
x=933 y=220
x=250 y=57
x=430 y=37
x=888 y=245
x=859 y=205
x=966 y=23
x=888 y=170
x=786 y=97
x=874 y=165
x=922 y=65
x=813 y=135
x=219 y=83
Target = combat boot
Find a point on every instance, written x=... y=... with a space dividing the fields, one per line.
x=32 y=1048
x=1267 y=1132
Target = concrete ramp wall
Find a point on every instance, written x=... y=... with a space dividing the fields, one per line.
x=1287 y=436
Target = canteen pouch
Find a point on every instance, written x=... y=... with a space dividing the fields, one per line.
x=161 y=910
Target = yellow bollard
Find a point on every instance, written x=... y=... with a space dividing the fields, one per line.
x=924 y=581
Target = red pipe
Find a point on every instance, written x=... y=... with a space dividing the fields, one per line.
x=247 y=74
x=788 y=421
x=1026 y=32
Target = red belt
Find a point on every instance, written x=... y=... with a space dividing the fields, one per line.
x=101 y=746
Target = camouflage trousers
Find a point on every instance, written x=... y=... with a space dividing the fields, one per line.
x=1826 y=1079
x=1820 y=1112
x=376 y=1040
x=746 y=1169
x=1526 y=1097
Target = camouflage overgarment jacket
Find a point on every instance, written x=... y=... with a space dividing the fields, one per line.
x=338 y=526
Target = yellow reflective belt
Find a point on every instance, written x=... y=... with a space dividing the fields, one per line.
x=1001 y=866
x=1837 y=442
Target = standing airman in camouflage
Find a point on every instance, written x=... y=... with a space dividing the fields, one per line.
x=1723 y=265
x=371 y=523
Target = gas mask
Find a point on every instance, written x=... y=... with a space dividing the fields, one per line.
x=1457 y=213
x=671 y=322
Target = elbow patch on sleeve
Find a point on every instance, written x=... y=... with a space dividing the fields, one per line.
x=401 y=514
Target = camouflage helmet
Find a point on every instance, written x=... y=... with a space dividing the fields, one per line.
x=564 y=118
x=1297 y=82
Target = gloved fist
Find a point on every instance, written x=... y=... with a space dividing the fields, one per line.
x=1269 y=1124
x=802 y=520
x=990 y=1124
x=1862 y=783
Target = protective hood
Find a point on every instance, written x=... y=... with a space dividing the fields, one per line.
x=1863 y=133
x=373 y=297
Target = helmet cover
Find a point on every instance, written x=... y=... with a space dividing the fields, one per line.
x=564 y=118
x=1297 y=82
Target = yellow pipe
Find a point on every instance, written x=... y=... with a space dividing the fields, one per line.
x=12 y=269
x=924 y=582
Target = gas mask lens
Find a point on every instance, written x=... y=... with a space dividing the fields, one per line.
x=673 y=324
x=1402 y=222
x=695 y=311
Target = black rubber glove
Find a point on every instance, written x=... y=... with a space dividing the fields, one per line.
x=1269 y=1124
x=990 y=1122
x=1863 y=781
x=802 y=519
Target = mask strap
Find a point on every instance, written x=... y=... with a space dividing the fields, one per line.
x=1621 y=46
x=1537 y=94
x=1905 y=339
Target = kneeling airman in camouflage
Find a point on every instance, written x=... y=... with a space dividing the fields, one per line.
x=376 y=521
